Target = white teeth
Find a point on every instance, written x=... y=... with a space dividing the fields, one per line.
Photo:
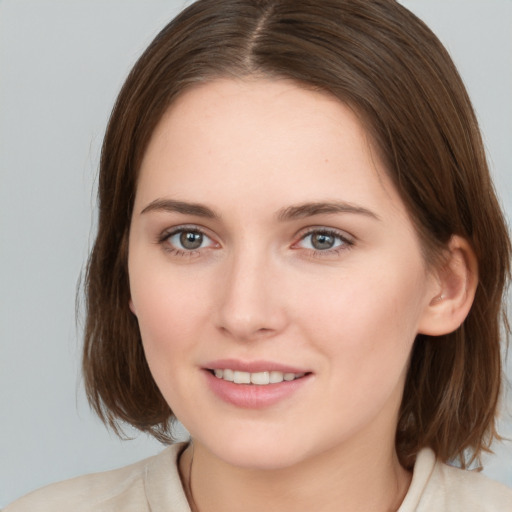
x=242 y=378
x=228 y=375
x=257 y=378
x=276 y=377
x=260 y=378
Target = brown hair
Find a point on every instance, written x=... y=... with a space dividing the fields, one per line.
x=386 y=64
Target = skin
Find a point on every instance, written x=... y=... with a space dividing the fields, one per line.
x=257 y=289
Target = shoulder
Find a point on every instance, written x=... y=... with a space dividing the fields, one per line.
x=437 y=486
x=471 y=490
x=123 y=489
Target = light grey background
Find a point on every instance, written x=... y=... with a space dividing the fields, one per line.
x=61 y=65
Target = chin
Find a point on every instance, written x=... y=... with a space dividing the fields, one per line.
x=267 y=460
x=258 y=452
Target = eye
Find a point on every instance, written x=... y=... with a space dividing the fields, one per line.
x=189 y=240
x=185 y=240
x=323 y=240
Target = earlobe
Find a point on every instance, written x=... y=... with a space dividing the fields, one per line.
x=457 y=280
x=132 y=307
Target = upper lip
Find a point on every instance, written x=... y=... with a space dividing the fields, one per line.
x=253 y=366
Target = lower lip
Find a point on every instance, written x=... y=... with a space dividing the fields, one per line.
x=253 y=396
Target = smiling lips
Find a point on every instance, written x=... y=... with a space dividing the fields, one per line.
x=257 y=378
x=254 y=385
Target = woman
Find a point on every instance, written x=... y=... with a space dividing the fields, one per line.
x=300 y=256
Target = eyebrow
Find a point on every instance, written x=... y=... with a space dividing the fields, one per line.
x=285 y=214
x=309 y=209
x=171 y=205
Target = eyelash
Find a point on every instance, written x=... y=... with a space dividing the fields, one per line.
x=346 y=243
x=164 y=238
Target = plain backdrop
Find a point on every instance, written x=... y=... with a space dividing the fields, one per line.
x=61 y=65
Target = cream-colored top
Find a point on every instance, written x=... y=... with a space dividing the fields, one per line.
x=154 y=485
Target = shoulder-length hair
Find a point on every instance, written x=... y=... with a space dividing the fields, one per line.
x=378 y=58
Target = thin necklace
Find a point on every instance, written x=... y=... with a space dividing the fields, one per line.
x=195 y=508
x=188 y=483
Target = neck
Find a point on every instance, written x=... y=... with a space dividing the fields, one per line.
x=353 y=480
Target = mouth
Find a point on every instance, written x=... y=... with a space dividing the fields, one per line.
x=263 y=378
x=255 y=384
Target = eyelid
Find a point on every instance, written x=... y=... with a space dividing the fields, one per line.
x=166 y=234
x=347 y=239
x=344 y=235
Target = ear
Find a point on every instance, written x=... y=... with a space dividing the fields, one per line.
x=457 y=280
x=132 y=307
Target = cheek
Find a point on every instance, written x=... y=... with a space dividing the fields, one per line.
x=169 y=310
x=171 y=317
x=367 y=321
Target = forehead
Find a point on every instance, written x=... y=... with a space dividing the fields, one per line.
x=233 y=138
x=289 y=108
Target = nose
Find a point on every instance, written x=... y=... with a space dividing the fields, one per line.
x=252 y=302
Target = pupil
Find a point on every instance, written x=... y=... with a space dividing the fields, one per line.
x=191 y=240
x=322 y=241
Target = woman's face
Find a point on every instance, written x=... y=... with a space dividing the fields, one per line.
x=268 y=244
